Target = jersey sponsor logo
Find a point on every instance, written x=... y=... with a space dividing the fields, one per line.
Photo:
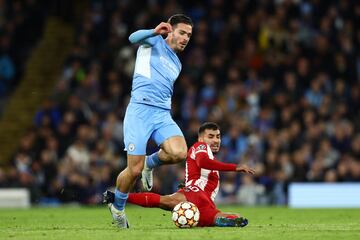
x=131 y=147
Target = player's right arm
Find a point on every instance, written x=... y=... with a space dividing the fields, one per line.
x=149 y=36
x=207 y=161
x=203 y=161
x=245 y=169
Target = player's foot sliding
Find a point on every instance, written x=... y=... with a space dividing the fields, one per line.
x=231 y=222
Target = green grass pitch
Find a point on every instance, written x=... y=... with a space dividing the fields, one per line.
x=95 y=223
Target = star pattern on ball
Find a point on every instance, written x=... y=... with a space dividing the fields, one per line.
x=181 y=212
x=185 y=215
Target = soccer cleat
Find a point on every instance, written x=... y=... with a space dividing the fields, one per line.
x=231 y=222
x=119 y=217
x=147 y=177
x=108 y=197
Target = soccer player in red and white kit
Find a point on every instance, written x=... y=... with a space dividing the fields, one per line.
x=201 y=182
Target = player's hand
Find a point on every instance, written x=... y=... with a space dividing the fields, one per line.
x=244 y=169
x=163 y=28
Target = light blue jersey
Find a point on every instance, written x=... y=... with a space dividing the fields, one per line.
x=148 y=113
x=156 y=69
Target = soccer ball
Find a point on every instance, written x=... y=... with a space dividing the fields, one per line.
x=185 y=215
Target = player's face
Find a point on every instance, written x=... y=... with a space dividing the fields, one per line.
x=212 y=138
x=180 y=36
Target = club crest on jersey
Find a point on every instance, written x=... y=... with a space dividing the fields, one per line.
x=131 y=147
x=201 y=147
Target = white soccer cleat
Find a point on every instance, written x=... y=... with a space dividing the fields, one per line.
x=119 y=217
x=147 y=177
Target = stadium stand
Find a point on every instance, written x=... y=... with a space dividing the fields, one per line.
x=282 y=78
x=21 y=25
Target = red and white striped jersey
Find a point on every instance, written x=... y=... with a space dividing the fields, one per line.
x=202 y=169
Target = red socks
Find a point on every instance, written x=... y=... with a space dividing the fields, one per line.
x=144 y=199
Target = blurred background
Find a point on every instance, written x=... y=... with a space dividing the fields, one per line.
x=281 y=78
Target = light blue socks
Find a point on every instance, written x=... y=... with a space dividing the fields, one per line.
x=120 y=200
x=153 y=161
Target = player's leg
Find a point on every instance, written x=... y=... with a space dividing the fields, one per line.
x=153 y=200
x=137 y=131
x=229 y=220
x=209 y=214
x=170 y=138
x=173 y=148
x=150 y=200
x=203 y=202
x=126 y=179
x=124 y=183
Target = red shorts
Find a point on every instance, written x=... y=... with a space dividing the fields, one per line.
x=205 y=205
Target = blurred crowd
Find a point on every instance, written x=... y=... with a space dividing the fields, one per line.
x=21 y=24
x=282 y=78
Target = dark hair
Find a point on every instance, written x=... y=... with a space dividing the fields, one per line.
x=208 y=125
x=180 y=18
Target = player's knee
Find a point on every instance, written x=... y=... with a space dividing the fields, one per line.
x=182 y=155
x=179 y=155
x=136 y=170
x=135 y=165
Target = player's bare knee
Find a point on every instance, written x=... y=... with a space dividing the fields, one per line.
x=179 y=155
x=136 y=170
x=177 y=158
x=135 y=165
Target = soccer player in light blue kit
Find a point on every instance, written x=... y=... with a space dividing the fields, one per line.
x=148 y=113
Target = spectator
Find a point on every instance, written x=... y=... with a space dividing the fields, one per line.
x=281 y=78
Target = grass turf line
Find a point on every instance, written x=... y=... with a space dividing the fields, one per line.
x=95 y=223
